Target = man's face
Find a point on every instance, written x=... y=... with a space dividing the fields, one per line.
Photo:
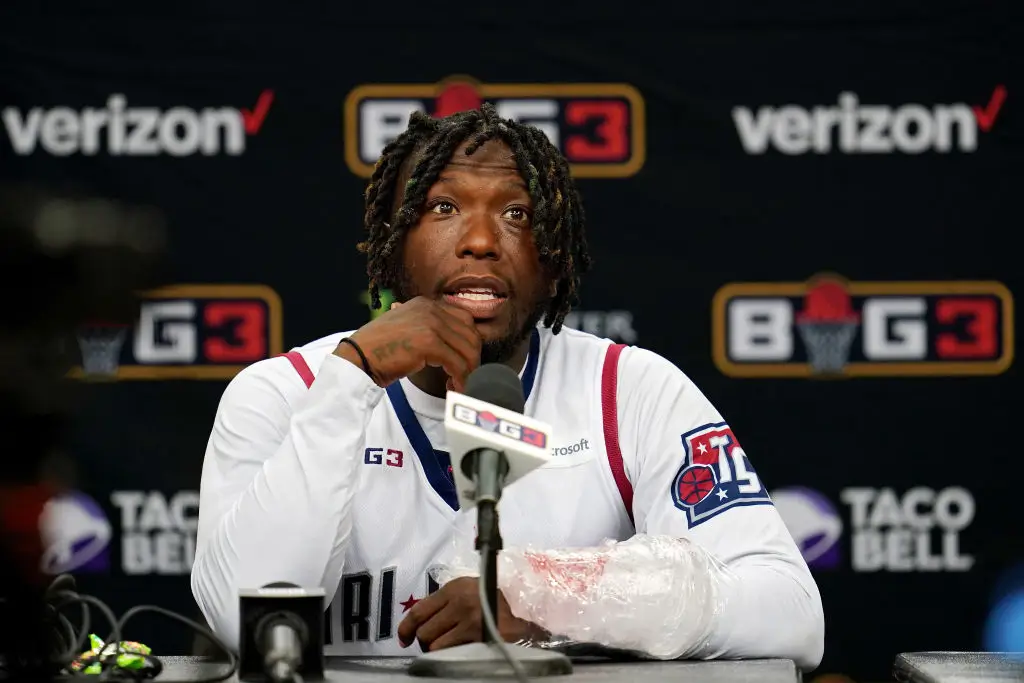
x=473 y=247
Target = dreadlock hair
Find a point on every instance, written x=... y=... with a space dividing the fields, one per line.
x=558 y=219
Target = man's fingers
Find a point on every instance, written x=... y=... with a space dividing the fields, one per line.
x=463 y=633
x=460 y=363
x=461 y=337
x=420 y=613
x=464 y=340
x=460 y=324
x=449 y=360
x=438 y=626
x=457 y=312
x=458 y=352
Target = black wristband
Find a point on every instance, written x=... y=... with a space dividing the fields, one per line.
x=362 y=356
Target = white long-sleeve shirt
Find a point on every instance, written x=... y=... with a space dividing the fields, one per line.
x=345 y=485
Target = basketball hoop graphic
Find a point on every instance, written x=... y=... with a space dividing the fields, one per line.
x=827 y=326
x=100 y=344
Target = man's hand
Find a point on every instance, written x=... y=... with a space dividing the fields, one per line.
x=452 y=616
x=418 y=333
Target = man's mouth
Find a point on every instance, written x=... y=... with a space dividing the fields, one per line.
x=481 y=297
x=482 y=304
x=477 y=294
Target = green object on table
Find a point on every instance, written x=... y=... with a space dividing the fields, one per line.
x=129 y=657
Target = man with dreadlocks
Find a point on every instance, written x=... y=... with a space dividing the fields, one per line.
x=328 y=466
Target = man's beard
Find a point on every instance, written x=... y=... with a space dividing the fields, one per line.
x=502 y=349
x=499 y=350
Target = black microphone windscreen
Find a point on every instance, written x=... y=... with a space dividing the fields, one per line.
x=498 y=384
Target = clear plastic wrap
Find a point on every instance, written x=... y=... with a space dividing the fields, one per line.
x=654 y=595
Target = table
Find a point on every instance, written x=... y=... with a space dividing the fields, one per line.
x=587 y=670
x=959 y=667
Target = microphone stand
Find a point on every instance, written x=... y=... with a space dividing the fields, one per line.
x=488 y=543
x=487 y=659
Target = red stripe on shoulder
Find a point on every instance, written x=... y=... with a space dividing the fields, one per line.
x=609 y=412
x=301 y=367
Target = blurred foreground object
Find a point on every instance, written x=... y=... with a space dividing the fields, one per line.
x=63 y=261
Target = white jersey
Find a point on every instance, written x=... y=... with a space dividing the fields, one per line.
x=316 y=476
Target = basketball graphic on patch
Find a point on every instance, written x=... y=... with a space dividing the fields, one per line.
x=715 y=475
x=694 y=483
x=488 y=421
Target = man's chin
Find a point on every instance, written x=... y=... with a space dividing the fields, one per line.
x=491 y=329
x=502 y=347
x=499 y=351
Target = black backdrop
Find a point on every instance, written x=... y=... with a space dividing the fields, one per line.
x=278 y=206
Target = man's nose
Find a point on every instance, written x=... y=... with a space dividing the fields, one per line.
x=480 y=238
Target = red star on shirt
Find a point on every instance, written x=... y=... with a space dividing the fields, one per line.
x=407 y=604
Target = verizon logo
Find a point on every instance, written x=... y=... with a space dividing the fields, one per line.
x=854 y=128
x=121 y=130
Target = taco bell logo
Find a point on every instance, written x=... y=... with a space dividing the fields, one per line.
x=813 y=522
x=76 y=535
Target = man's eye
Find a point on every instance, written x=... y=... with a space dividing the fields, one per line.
x=443 y=208
x=517 y=214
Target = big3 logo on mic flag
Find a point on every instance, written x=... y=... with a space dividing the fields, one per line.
x=599 y=127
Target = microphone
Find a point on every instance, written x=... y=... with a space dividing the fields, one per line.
x=492 y=444
x=282 y=633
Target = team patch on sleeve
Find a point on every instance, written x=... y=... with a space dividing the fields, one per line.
x=715 y=475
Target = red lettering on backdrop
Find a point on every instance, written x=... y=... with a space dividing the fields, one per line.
x=249 y=319
x=611 y=130
x=981 y=328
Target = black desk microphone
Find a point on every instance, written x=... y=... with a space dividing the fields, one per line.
x=282 y=636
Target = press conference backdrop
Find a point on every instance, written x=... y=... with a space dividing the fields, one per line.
x=809 y=209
